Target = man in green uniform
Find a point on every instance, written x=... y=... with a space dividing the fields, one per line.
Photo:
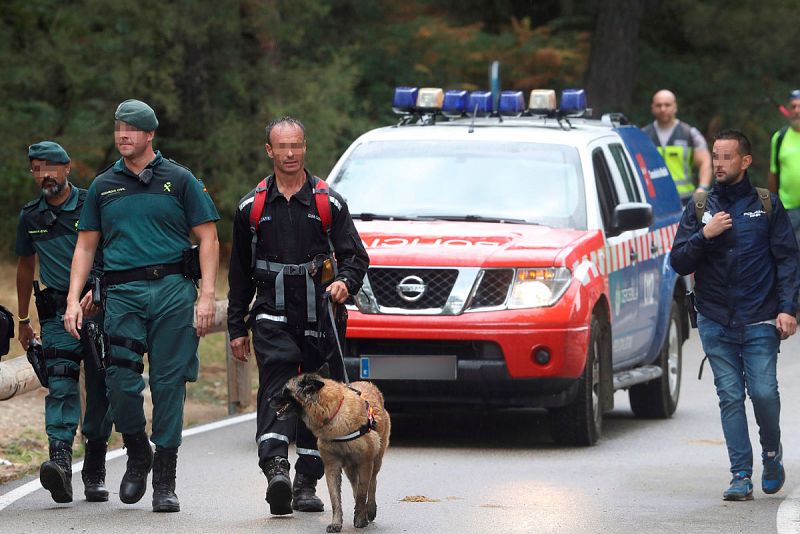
x=784 y=166
x=48 y=228
x=143 y=209
x=681 y=144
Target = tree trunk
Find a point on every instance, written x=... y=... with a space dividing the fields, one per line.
x=610 y=74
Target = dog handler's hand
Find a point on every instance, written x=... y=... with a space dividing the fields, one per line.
x=786 y=325
x=204 y=314
x=73 y=319
x=338 y=291
x=240 y=347
x=87 y=307
x=721 y=222
x=26 y=335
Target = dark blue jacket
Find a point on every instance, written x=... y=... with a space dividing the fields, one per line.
x=750 y=272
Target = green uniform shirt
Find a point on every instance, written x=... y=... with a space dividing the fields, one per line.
x=142 y=224
x=51 y=232
x=789 y=189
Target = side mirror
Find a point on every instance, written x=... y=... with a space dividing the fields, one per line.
x=631 y=216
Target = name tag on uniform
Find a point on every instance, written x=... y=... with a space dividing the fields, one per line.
x=706 y=217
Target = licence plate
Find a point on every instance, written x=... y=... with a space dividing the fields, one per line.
x=408 y=367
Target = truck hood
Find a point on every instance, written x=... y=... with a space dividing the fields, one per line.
x=462 y=244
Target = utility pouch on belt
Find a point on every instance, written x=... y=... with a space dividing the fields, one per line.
x=190 y=260
x=327 y=271
x=45 y=303
x=97 y=290
x=35 y=355
x=692 y=309
x=96 y=344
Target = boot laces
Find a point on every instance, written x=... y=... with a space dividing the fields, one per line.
x=278 y=466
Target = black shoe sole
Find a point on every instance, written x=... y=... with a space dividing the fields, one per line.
x=305 y=506
x=53 y=480
x=279 y=497
x=96 y=495
x=166 y=508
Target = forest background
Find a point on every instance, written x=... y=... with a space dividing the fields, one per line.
x=217 y=71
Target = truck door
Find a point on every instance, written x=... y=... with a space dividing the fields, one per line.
x=622 y=266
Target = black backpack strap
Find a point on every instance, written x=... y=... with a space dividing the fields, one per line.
x=778 y=143
x=766 y=202
x=699 y=199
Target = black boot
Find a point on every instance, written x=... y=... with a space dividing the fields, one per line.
x=56 y=474
x=279 y=488
x=164 y=464
x=304 y=497
x=140 y=461
x=94 y=472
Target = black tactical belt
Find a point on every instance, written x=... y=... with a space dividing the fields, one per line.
x=64 y=371
x=53 y=353
x=151 y=272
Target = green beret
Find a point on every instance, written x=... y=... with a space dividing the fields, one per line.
x=48 y=151
x=137 y=114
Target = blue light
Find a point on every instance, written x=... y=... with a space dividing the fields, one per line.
x=405 y=98
x=511 y=103
x=480 y=100
x=573 y=101
x=455 y=102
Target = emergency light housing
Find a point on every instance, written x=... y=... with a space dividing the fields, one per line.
x=480 y=103
x=512 y=103
x=455 y=102
x=542 y=102
x=429 y=99
x=573 y=102
x=404 y=100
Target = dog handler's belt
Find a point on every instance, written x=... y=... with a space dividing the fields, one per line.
x=151 y=272
x=307 y=269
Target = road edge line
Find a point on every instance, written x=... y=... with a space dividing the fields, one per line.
x=7 y=499
x=788 y=515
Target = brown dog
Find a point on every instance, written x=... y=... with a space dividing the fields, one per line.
x=352 y=429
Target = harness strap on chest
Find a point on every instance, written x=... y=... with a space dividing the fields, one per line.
x=282 y=269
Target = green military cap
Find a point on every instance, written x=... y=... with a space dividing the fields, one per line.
x=48 y=151
x=137 y=114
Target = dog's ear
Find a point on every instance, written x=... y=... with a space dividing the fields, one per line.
x=324 y=371
x=311 y=383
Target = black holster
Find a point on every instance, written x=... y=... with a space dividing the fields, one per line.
x=48 y=301
x=691 y=308
x=94 y=342
x=35 y=355
x=190 y=262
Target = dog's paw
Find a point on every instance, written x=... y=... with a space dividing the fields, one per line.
x=360 y=521
x=333 y=527
x=372 y=510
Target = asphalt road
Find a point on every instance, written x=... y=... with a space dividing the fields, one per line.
x=475 y=472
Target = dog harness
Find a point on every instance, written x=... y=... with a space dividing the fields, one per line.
x=371 y=424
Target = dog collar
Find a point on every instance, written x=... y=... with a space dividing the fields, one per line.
x=371 y=424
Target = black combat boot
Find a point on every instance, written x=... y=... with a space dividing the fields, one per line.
x=56 y=474
x=304 y=498
x=164 y=464
x=140 y=461
x=279 y=487
x=94 y=472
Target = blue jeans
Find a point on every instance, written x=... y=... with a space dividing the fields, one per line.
x=744 y=357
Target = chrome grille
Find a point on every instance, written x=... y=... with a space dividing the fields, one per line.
x=493 y=288
x=438 y=285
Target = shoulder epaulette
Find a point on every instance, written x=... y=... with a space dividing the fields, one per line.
x=105 y=169
x=179 y=164
x=31 y=204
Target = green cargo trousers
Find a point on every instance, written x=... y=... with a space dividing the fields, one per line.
x=62 y=405
x=159 y=314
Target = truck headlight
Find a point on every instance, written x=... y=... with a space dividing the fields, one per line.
x=536 y=288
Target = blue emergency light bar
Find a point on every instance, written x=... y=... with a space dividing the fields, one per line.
x=405 y=99
x=455 y=102
x=512 y=103
x=480 y=102
x=573 y=101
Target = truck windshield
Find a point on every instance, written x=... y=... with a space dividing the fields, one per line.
x=513 y=182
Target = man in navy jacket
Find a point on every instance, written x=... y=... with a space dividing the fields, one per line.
x=745 y=264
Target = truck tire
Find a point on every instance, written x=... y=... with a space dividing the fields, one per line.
x=581 y=422
x=658 y=398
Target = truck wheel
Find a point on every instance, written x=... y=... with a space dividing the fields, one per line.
x=581 y=422
x=658 y=398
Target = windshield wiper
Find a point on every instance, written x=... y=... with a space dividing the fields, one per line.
x=479 y=218
x=382 y=217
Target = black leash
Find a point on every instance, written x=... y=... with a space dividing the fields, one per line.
x=336 y=336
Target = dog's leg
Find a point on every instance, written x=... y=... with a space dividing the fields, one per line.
x=333 y=477
x=360 y=519
x=351 y=471
x=372 y=505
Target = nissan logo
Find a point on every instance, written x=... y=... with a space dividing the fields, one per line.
x=411 y=288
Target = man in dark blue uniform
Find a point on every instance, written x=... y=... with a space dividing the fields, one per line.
x=143 y=209
x=48 y=229
x=300 y=244
x=740 y=245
